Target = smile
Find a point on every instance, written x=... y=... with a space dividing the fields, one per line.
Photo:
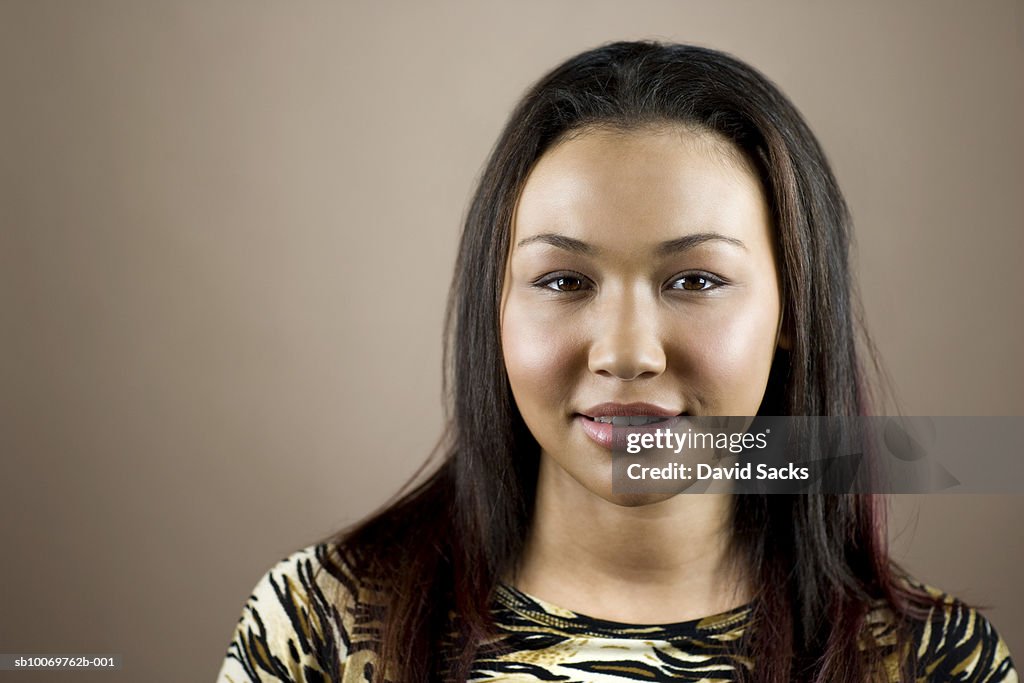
x=628 y=420
x=608 y=424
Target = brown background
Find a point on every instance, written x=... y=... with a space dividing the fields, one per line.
x=227 y=234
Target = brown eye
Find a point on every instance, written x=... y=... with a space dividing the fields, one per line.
x=696 y=282
x=568 y=284
x=564 y=282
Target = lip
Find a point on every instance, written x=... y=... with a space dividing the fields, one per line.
x=620 y=409
x=603 y=433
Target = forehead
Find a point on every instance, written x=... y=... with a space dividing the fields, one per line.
x=654 y=182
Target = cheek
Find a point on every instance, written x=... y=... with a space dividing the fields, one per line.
x=729 y=357
x=541 y=356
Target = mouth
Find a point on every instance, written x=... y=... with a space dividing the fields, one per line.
x=609 y=423
x=627 y=420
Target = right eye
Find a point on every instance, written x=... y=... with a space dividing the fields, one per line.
x=563 y=282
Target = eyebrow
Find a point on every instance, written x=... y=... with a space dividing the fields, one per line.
x=668 y=248
x=560 y=241
x=690 y=241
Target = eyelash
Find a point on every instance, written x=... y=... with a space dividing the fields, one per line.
x=711 y=281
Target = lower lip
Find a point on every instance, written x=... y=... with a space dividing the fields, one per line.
x=603 y=434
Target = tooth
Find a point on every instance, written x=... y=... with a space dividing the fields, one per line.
x=629 y=420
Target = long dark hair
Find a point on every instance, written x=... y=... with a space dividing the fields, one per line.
x=817 y=561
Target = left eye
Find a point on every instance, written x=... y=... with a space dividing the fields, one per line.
x=696 y=282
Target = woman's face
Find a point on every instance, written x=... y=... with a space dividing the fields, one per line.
x=641 y=271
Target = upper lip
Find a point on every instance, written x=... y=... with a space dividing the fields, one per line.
x=621 y=409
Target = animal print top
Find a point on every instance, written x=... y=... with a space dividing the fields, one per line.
x=300 y=625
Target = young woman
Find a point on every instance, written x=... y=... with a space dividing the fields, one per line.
x=657 y=233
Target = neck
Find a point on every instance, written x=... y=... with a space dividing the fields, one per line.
x=663 y=562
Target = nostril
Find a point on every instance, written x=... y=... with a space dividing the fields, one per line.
x=628 y=368
x=628 y=349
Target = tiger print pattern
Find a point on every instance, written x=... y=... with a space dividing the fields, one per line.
x=308 y=620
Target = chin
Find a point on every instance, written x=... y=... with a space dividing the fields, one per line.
x=635 y=500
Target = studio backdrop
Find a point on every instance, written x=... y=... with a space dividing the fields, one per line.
x=226 y=236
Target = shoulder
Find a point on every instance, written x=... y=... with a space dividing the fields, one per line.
x=298 y=621
x=952 y=640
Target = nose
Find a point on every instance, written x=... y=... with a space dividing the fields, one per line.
x=627 y=344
